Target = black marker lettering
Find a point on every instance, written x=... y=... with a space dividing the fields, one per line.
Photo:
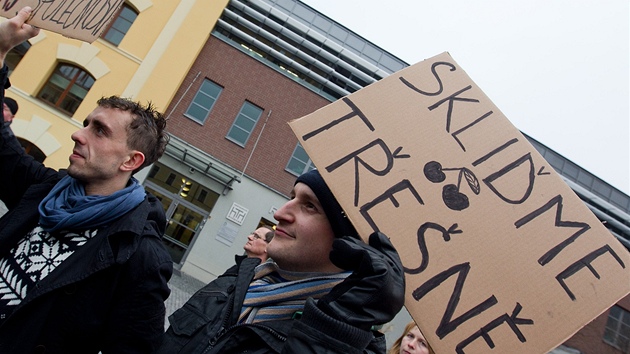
x=389 y=158
x=355 y=112
x=388 y=195
x=422 y=244
x=494 y=152
x=551 y=254
x=527 y=189
x=456 y=133
x=437 y=78
x=510 y=320
x=8 y=4
x=448 y=324
x=586 y=262
x=452 y=98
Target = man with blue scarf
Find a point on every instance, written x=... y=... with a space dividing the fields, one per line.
x=82 y=265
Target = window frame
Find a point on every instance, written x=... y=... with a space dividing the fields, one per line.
x=239 y=118
x=194 y=103
x=613 y=330
x=65 y=93
x=112 y=25
x=308 y=165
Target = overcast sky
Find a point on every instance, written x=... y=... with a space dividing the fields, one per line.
x=557 y=69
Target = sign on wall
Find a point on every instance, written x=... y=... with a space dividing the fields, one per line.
x=498 y=251
x=84 y=20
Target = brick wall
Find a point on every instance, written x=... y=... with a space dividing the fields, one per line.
x=244 y=78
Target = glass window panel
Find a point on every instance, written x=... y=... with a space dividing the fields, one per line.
x=66 y=87
x=59 y=81
x=240 y=136
x=617 y=328
x=78 y=92
x=128 y=14
x=615 y=312
x=68 y=71
x=204 y=100
x=250 y=110
x=300 y=153
x=244 y=123
x=299 y=162
x=296 y=166
x=196 y=111
x=121 y=25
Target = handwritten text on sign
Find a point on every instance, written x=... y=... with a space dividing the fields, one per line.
x=498 y=250
x=79 y=19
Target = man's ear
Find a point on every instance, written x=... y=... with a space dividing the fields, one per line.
x=134 y=161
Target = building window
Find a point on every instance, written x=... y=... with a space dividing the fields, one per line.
x=203 y=102
x=67 y=87
x=15 y=55
x=202 y=195
x=120 y=25
x=244 y=123
x=170 y=179
x=617 y=331
x=300 y=162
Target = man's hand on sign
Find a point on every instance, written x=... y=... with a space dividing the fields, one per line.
x=15 y=31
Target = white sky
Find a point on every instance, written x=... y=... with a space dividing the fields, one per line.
x=557 y=69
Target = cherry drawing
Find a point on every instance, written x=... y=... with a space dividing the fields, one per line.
x=451 y=195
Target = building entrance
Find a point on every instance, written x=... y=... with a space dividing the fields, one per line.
x=187 y=205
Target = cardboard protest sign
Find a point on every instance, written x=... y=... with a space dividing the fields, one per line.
x=498 y=251
x=79 y=19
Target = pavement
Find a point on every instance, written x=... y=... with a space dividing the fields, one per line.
x=182 y=286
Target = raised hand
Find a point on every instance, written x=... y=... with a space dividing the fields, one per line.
x=375 y=291
x=15 y=31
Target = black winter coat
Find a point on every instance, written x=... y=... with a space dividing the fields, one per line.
x=207 y=323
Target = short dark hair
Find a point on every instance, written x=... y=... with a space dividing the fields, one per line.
x=147 y=129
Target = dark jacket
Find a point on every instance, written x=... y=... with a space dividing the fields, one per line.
x=207 y=323
x=108 y=296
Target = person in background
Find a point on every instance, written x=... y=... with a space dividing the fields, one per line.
x=10 y=108
x=323 y=291
x=411 y=342
x=82 y=265
x=257 y=241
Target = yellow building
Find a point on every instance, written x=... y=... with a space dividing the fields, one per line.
x=144 y=54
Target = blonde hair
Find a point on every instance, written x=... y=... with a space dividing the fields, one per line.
x=395 y=349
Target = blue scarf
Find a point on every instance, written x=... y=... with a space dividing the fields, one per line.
x=67 y=207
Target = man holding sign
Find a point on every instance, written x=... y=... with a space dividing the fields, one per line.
x=323 y=291
x=82 y=265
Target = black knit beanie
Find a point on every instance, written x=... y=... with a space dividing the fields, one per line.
x=340 y=223
x=13 y=106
